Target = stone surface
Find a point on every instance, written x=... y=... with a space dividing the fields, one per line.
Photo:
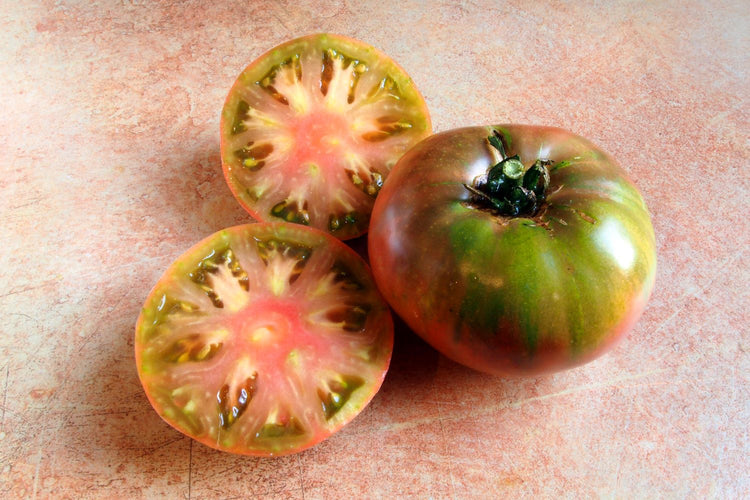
x=110 y=159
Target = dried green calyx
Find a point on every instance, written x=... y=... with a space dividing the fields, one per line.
x=508 y=187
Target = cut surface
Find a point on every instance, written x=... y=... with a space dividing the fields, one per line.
x=311 y=129
x=263 y=339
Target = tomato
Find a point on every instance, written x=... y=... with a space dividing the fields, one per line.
x=513 y=249
x=311 y=129
x=263 y=339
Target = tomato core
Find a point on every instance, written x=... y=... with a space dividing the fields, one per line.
x=320 y=138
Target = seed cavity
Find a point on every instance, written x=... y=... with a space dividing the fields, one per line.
x=289 y=428
x=210 y=265
x=291 y=212
x=388 y=126
x=183 y=409
x=338 y=222
x=337 y=393
x=370 y=185
x=252 y=156
x=344 y=277
x=359 y=70
x=349 y=317
x=168 y=306
x=270 y=249
x=232 y=404
x=240 y=116
x=328 y=70
x=386 y=86
x=267 y=81
x=191 y=348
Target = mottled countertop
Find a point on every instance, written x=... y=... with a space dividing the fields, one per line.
x=110 y=169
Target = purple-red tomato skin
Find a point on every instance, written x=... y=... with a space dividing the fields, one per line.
x=504 y=295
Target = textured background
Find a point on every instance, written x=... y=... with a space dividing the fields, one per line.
x=110 y=169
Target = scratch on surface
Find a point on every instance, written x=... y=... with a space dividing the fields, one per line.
x=722 y=116
x=279 y=17
x=36 y=473
x=618 y=474
x=29 y=203
x=613 y=382
x=400 y=426
x=26 y=289
x=23 y=315
x=160 y=446
x=5 y=396
x=586 y=387
x=190 y=471
x=701 y=291
x=301 y=477
x=450 y=466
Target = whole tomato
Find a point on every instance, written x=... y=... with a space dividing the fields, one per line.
x=513 y=249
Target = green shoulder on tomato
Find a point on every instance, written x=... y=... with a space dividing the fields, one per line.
x=531 y=255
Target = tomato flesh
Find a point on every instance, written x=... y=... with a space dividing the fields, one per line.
x=263 y=339
x=513 y=295
x=311 y=129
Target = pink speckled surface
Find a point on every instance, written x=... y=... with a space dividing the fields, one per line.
x=110 y=157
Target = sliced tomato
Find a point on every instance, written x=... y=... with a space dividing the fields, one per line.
x=263 y=339
x=311 y=129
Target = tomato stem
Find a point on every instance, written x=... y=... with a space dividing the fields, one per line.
x=508 y=187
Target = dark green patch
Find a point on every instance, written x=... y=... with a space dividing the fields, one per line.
x=168 y=306
x=339 y=222
x=252 y=156
x=269 y=249
x=344 y=277
x=266 y=82
x=338 y=393
x=351 y=317
x=190 y=349
x=290 y=428
x=387 y=85
x=291 y=212
x=210 y=265
x=240 y=116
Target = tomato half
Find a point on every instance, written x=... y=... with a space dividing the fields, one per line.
x=263 y=339
x=545 y=275
x=311 y=129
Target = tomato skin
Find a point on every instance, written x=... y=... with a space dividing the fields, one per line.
x=513 y=296
x=270 y=338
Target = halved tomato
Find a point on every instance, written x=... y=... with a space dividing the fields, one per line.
x=263 y=339
x=311 y=129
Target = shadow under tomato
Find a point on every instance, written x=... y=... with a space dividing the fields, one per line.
x=418 y=370
x=359 y=245
x=412 y=358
